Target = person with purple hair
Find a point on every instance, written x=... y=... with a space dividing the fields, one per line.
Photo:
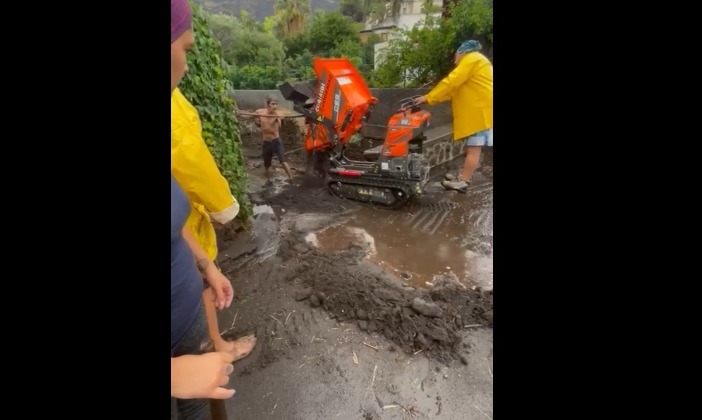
x=196 y=375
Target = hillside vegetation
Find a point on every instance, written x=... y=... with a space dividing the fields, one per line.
x=258 y=9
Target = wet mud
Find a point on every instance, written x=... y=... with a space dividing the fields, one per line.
x=337 y=294
x=346 y=284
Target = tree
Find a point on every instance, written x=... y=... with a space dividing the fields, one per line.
x=291 y=15
x=352 y=9
x=423 y=55
x=255 y=77
x=379 y=10
x=328 y=29
x=244 y=41
x=351 y=49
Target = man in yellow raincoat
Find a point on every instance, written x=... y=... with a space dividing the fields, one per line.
x=469 y=88
x=195 y=169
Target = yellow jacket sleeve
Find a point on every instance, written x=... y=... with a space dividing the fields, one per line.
x=445 y=89
x=193 y=165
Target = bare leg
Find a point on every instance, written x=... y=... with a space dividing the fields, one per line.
x=240 y=347
x=268 y=176
x=471 y=163
x=287 y=170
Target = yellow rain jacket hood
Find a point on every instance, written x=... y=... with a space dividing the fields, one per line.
x=469 y=88
x=195 y=169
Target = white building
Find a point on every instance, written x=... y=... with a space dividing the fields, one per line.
x=411 y=15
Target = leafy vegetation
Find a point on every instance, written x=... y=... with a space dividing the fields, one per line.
x=206 y=87
x=423 y=55
x=244 y=51
x=282 y=46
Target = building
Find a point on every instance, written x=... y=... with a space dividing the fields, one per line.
x=411 y=15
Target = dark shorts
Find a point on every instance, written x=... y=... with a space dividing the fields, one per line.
x=271 y=148
x=196 y=341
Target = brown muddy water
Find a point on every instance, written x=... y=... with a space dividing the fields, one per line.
x=447 y=232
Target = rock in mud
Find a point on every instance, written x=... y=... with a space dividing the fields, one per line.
x=314 y=301
x=363 y=325
x=309 y=222
x=302 y=294
x=425 y=308
x=301 y=248
x=361 y=314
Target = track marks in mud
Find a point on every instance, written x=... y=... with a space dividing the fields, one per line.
x=430 y=218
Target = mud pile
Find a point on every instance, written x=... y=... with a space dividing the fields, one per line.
x=349 y=289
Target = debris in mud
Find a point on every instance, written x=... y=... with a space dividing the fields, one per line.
x=302 y=294
x=311 y=222
x=430 y=320
x=425 y=308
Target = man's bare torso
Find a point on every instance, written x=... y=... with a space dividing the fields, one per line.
x=270 y=124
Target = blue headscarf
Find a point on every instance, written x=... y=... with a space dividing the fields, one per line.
x=469 y=46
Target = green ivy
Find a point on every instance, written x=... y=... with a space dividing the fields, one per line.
x=206 y=87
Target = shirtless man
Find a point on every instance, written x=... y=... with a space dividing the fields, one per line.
x=269 y=120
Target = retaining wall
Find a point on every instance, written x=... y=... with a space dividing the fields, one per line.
x=440 y=151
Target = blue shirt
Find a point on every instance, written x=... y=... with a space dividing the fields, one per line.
x=186 y=281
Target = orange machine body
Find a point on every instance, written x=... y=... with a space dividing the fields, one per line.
x=346 y=109
x=403 y=127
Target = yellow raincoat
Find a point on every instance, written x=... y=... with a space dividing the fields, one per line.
x=193 y=166
x=469 y=88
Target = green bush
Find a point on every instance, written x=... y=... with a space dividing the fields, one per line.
x=206 y=87
x=255 y=77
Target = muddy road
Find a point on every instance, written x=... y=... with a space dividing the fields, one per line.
x=361 y=313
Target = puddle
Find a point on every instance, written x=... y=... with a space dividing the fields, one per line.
x=451 y=234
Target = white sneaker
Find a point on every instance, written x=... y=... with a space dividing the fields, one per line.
x=460 y=186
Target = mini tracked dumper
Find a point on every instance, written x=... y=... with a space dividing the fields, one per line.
x=338 y=109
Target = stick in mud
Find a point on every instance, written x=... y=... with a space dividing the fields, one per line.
x=370 y=386
x=373 y=347
x=482 y=412
x=281 y=324
x=288 y=317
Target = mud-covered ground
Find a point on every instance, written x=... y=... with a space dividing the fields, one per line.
x=340 y=336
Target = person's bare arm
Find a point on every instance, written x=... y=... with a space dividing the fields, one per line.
x=198 y=252
x=224 y=292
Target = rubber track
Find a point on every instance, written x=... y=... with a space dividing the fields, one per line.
x=395 y=185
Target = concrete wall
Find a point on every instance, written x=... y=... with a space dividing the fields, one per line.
x=254 y=99
x=388 y=100
x=440 y=151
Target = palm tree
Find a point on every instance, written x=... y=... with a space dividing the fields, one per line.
x=292 y=15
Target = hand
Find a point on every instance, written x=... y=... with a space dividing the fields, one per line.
x=202 y=376
x=420 y=100
x=222 y=287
